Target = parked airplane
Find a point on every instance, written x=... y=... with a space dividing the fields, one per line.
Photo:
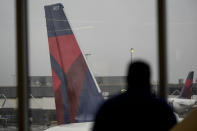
x=77 y=95
x=183 y=102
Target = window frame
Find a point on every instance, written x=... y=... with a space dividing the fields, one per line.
x=22 y=58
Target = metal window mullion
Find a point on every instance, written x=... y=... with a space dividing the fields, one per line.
x=162 y=59
x=22 y=65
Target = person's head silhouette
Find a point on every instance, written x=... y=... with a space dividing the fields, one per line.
x=138 y=76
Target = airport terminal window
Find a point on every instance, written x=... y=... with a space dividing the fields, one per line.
x=8 y=95
x=104 y=36
x=181 y=23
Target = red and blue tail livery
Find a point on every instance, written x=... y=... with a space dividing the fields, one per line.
x=187 y=90
x=77 y=97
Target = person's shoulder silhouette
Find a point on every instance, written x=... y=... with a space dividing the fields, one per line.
x=137 y=108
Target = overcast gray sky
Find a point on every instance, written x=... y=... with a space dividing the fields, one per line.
x=106 y=29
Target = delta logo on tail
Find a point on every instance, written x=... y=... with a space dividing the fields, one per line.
x=187 y=90
x=77 y=96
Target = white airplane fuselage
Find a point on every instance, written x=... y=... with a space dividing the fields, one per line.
x=181 y=105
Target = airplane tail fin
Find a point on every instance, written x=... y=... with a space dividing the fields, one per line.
x=186 y=92
x=77 y=96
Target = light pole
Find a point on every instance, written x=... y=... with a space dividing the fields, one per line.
x=131 y=51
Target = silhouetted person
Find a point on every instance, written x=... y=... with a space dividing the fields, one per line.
x=137 y=109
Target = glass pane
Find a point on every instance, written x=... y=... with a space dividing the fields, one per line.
x=8 y=105
x=182 y=21
x=105 y=32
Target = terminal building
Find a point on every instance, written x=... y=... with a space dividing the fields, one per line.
x=42 y=104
